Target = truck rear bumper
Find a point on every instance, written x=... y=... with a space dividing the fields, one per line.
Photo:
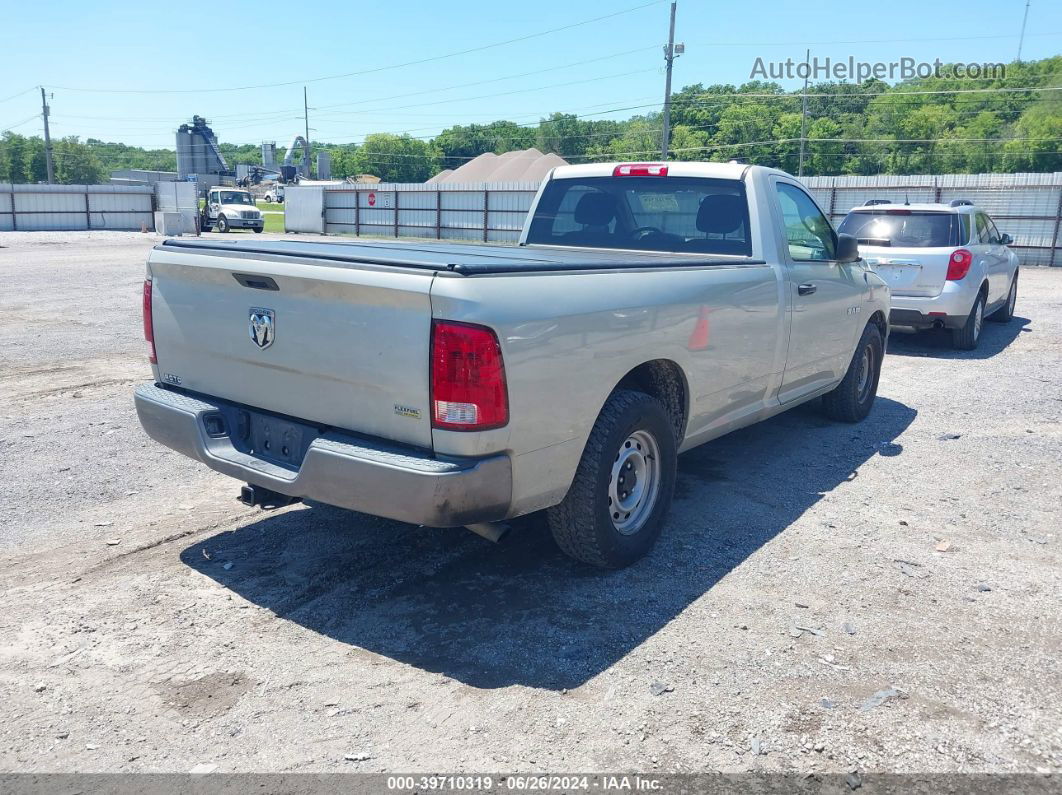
x=367 y=475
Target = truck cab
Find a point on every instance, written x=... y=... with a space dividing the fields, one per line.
x=230 y=208
x=275 y=194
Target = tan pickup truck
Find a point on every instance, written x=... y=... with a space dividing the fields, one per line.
x=648 y=308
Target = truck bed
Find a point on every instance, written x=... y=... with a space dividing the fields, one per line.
x=464 y=259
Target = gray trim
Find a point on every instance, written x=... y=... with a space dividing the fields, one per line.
x=367 y=475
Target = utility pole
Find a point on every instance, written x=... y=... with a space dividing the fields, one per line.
x=669 y=58
x=306 y=119
x=1021 y=38
x=47 y=138
x=804 y=114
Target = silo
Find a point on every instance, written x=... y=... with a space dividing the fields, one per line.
x=324 y=164
x=269 y=154
x=185 y=160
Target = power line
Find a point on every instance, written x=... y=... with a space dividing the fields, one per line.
x=27 y=120
x=501 y=93
x=776 y=141
x=483 y=82
x=374 y=70
x=860 y=41
x=19 y=94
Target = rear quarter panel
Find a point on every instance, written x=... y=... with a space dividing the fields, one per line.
x=569 y=338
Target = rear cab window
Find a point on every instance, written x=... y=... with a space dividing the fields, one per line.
x=905 y=228
x=672 y=214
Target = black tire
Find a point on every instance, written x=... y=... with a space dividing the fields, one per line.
x=1006 y=312
x=223 y=224
x=852 y=399
x=968 y=335
x=583 y=524
x=257 y=229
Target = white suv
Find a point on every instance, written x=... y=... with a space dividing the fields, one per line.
x=947 y=264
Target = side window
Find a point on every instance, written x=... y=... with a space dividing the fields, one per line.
x=984 y=235
x=964 y=229
x=808 y=233
x=992 y=229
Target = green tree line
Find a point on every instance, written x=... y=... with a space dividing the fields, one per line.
x=933 y=125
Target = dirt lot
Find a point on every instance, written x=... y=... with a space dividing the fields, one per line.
x=150 y=622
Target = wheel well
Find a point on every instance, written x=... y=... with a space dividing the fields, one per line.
x=984 y=288
x=878 y=319
x=664 y=380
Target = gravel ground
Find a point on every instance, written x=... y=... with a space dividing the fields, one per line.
x=825 y=597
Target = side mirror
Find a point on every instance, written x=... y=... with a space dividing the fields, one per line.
x=1005 y=239
x=847 y=248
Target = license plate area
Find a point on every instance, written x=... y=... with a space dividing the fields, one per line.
x=891 y=272
x=276 y=440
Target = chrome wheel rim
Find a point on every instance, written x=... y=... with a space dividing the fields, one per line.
x=866 y=367
x=635 y=482
x=979 y=316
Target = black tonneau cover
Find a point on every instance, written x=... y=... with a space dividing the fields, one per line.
x=468 y=260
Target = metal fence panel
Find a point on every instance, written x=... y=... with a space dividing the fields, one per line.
x=304 y=209
x=76 y=207
x=462 y=200
x=417 y=218
x=6 y=216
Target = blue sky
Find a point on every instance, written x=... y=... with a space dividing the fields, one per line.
x=611 y=63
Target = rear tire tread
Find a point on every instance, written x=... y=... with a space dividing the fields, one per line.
x=574 y=522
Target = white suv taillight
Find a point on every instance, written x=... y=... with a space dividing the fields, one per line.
x=468 y=389
x=959 y=264
x=149 y=327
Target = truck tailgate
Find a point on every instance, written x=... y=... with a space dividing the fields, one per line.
x=348 y=347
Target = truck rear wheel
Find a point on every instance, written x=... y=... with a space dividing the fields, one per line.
x=623 y=487
x=851 y=400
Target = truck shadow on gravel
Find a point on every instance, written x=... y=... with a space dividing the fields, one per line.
x=519 y=612
x=936 y=343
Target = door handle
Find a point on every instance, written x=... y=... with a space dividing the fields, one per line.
x=807 y=288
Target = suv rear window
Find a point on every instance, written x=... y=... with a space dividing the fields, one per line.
x=904 y=228
x=681 y=214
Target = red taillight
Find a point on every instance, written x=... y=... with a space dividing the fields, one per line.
x=468 y=391
x=149 y=328
x=640 y=170
x=959 y=264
